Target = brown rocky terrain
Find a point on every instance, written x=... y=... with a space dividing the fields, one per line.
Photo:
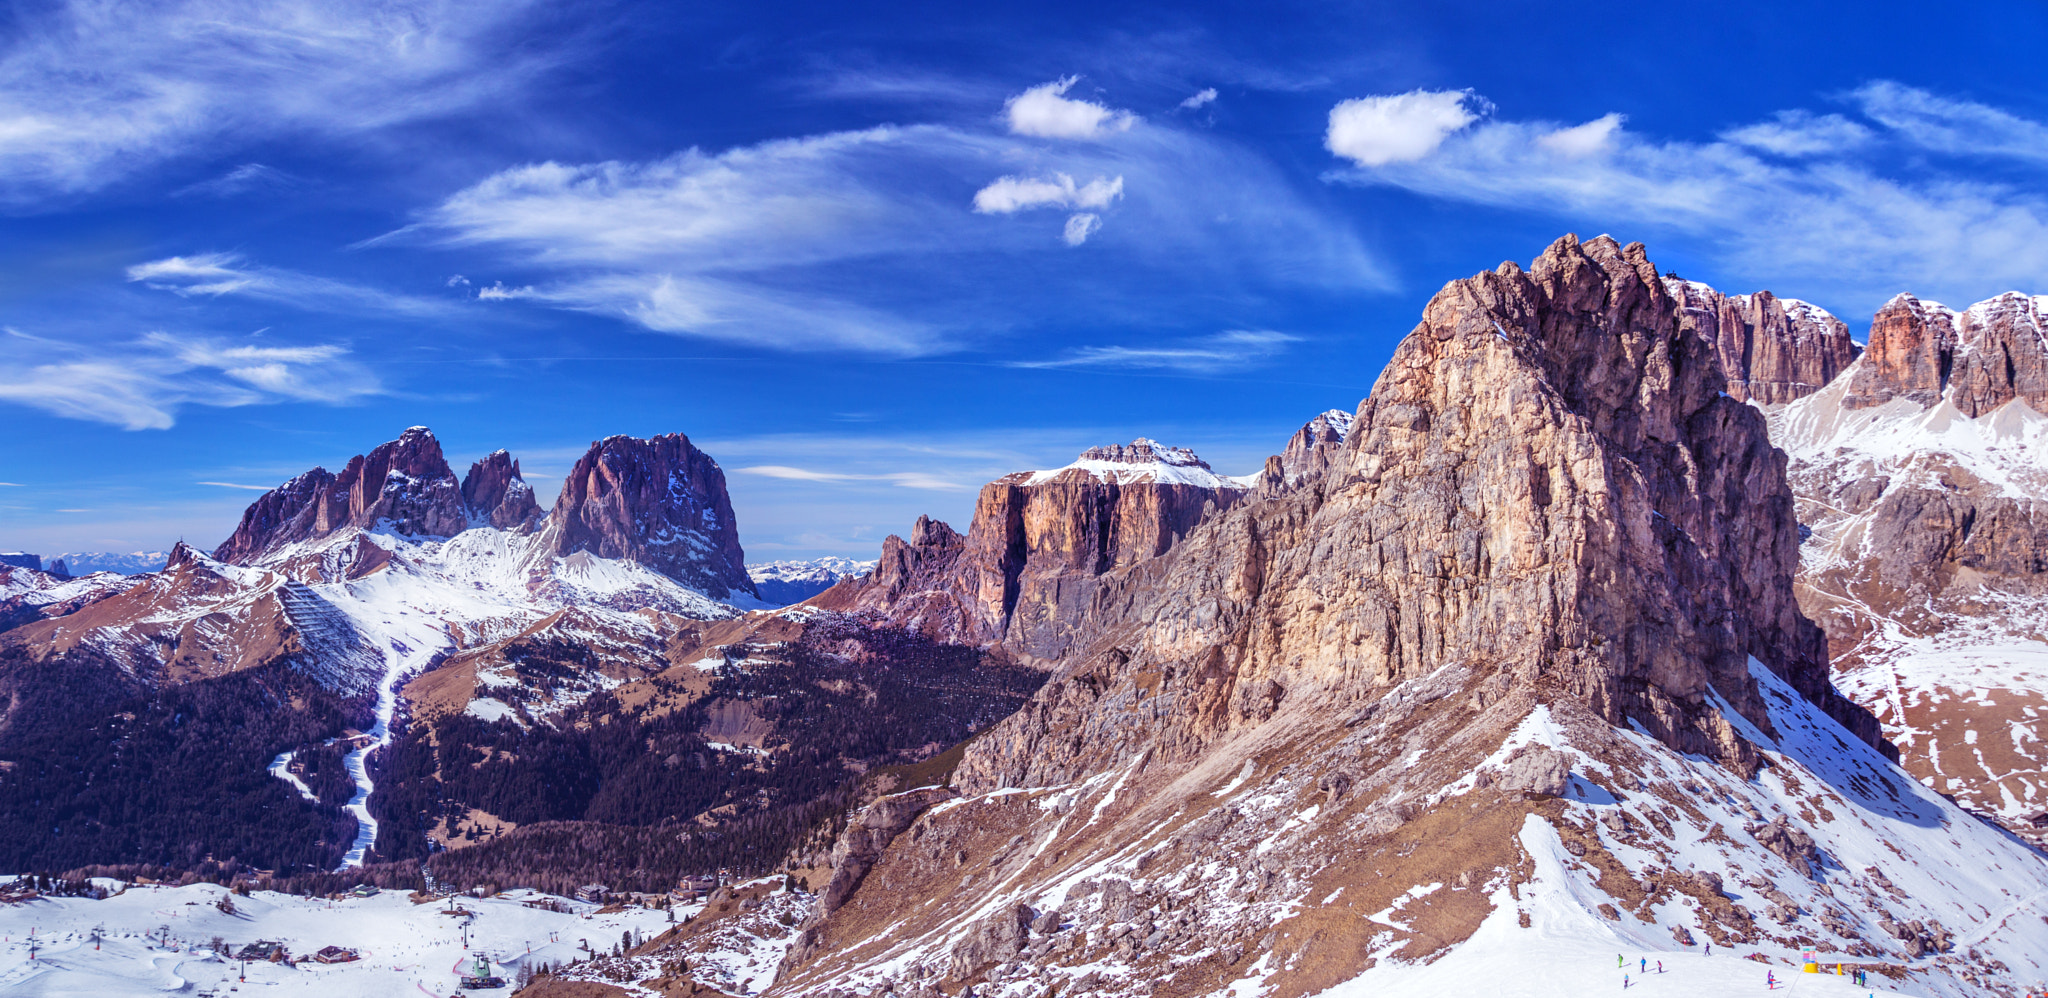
x=1773 y=350
x=404 y=484
x=1551 y=562
x=1923 y=481
x=1039 y=541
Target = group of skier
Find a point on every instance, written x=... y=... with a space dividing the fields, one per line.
x=1859 y=975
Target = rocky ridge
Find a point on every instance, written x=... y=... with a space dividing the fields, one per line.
x=1774 y=350
x=1531 y=640
x=1037 y=545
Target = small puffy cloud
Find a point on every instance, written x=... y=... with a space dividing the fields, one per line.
x=1375 y=131
x=140 y=385
x=1207 y=95
x=1801 y=133
x=1046 y=112
x=1012 y=194
x=1080 y=226
x=1593 y=137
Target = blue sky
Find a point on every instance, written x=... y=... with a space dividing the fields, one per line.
x=871 y=256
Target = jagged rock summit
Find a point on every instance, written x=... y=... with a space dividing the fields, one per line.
x=658 y=502
x=404 y=485
x=1773 y=350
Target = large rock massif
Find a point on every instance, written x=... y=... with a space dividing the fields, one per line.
x=1772 y=349
x=1519 y=678
x=1040 y=541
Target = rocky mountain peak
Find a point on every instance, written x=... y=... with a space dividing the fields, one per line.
x=659 y=502
x=1310 y=450
x=494 y=491
x=402 y=485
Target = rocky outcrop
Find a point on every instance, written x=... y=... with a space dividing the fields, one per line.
x=495 y=493
x=1038 y=544
x=1309 y=452
x=1980 y=359
x=1912 y=344
x=2002 y=355
x=658 y=502
x=1773 y=350
x=404 y=486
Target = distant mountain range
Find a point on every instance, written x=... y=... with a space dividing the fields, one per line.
x=786 y=582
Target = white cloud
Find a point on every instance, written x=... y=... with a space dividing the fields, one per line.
x=1205 y=96
x=756 y=244
x=140 y=385
x=240 y=180
x=1207 y=355
x=92 y=91
x=1046 y=112
x=213 y=275
x=1952 y=126
x=1011 y=194
x=1375 y=131
x=233 y=485
x=1801 y=133
x=1079 y=227
x=1592 y=138
x=1767 y=206
x=902 y=479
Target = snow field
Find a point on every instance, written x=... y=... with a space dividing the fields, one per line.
x=157 y=939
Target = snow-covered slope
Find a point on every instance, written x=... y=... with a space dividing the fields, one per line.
x=151 y=940
x=1927 y=529
x=1643 y=852
x=122 y=563
x=1142 y=461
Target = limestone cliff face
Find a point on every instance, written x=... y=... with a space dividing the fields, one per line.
x=1547 y=483
x=1774 y=350
x=1039 y=541
x=1980 y=359
x=659 y=502
x=404 y=485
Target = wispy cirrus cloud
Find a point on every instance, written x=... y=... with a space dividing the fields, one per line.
x=813 y=242
x=1823 y=202
x=1208 y=355
x=235 y=485
x=214 y=275
x=904 y=479
x=141 y=384
x=92 y=91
